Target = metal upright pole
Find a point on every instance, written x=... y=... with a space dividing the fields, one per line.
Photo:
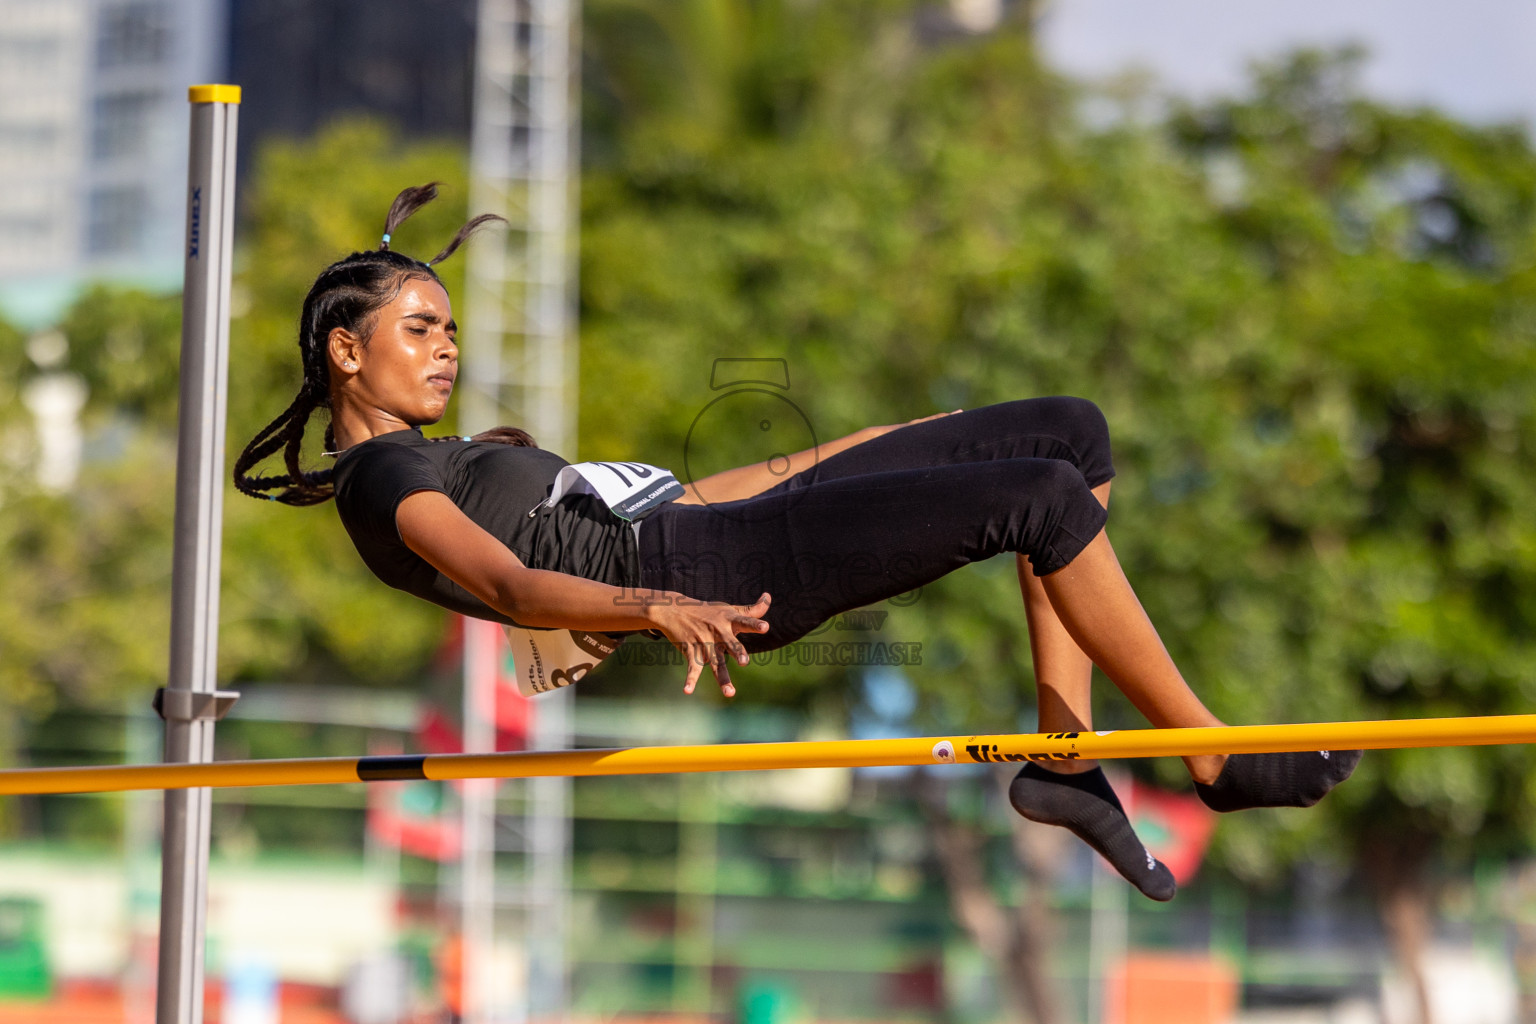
x=190 y=702
x=522 y=368
x=477 y=861
x=550 y=337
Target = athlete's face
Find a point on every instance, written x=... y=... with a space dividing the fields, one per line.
x=406 y=368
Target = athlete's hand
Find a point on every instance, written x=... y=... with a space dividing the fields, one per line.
x=705 y=633
x=873 y=432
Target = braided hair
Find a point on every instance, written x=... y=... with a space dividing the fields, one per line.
x=347 y=294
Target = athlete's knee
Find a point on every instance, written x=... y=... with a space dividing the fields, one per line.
x=1066 y=517
x=1084 y=428
x=1083 y=420
x=1052 y=490
x=1061 y=484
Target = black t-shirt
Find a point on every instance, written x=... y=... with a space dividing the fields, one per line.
x=496 y=485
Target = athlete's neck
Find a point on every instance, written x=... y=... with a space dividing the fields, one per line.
x=353 y=423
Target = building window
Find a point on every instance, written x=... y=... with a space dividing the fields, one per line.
x=29 y=55
x=117 y=220
x=28 y=138
x=122 y=127
x=133 y=34
x=24 y=229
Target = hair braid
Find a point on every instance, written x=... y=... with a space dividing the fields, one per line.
x=458 y=239
x=347 y=294
x=308 y=488
x=266 y=442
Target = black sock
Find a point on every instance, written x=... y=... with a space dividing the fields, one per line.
x=1087 y=806
x=1277 y=780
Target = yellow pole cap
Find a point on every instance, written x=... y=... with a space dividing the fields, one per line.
x=214 y=94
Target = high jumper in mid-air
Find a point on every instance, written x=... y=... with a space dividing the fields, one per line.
x=494 y=527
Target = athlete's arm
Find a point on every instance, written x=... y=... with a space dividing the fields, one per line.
x=435 y=528
x=746 y=481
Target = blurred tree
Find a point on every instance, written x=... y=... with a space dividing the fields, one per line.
x=809 y=212
x=1307 y=316
x=80 y=566
x=86 y=618
x=126 y=346
x=1388 y=452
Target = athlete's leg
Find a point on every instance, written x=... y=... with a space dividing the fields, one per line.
x=1098 y=608
x=848 y=541
x=934 y=519
x=843 y=543
x=1076 y=795
x=1088 y=606
x=1070 y=429
x=1063 y=673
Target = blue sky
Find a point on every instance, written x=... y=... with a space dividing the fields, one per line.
x=1473 y=58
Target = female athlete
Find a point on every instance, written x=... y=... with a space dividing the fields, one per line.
x=749 y=559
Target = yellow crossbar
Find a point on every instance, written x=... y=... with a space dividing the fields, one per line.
x=739 y=757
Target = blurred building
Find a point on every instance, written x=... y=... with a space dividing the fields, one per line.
x=93 y=115
x=93 y=142
x=302 y=64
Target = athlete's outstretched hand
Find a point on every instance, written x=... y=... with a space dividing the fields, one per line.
x=705 y=632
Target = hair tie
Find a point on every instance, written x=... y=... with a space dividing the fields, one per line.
x=385 y=243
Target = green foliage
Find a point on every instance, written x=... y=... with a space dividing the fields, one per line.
x=86 y=617
x=13 y=362
x=1307 y=317
x=126 y=347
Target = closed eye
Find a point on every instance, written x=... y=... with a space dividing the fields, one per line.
x=420 y=321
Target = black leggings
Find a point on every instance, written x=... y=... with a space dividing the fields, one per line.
x=892 y=514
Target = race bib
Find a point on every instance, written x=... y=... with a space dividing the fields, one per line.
x=547 y=659
x=628 y=488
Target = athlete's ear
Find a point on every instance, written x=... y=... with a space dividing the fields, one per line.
x=345 y=350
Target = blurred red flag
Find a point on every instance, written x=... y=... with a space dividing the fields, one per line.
x=514 y=712
x=405 y=815
x=410 y=816
x=436 y=734
x=1175 y=827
